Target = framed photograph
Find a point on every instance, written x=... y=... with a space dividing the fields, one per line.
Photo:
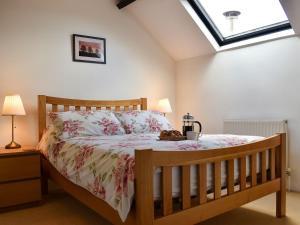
x=89 y=49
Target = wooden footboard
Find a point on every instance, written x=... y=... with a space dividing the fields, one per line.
x=198 y=208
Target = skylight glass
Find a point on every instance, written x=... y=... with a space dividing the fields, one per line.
x=231 y=21
x=254 y=14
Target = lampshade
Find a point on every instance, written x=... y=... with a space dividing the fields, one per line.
x=13 y=106
x=164 y=106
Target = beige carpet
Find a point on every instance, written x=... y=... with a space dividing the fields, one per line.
x=61 y=209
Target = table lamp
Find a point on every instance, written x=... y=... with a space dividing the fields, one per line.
x=13 y=106
x=164 y=106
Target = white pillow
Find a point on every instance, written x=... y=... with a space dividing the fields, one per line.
x=136 y=121
x=86 y=123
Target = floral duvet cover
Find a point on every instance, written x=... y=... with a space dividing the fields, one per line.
x=104 y=165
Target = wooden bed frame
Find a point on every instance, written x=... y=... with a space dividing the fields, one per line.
x=185 y=210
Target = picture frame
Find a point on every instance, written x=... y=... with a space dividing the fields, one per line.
x=89 y=49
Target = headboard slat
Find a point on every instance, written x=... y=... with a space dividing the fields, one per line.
x=66 y=108
x=54 y=108
x=43 y=101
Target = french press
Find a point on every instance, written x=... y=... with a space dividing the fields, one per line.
x=188 y=124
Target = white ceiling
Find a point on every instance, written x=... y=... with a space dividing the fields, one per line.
x=170 y=24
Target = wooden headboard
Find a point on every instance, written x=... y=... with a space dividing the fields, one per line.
x=66 y=104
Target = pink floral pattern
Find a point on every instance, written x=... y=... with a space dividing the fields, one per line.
x=64 y=172
x=137 y=122
x=123 y=173
x=85 y=114
x=97 y=189
x=85 y=123
x=84 y=153
x=189 y=146
x=104 y=165
x=108 y=126
x=72 y=127
x=154 y=125
x=57 y=148
x=53 y=116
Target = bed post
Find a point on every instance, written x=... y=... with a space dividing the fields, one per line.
x=41 y=114
x=42 y=126
x=281 y=172
x=144 y=187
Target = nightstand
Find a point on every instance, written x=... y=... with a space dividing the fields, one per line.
x=20 y=177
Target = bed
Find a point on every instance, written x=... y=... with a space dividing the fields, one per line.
x=252 y=170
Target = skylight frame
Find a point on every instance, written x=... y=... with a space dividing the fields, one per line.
x=221 y=41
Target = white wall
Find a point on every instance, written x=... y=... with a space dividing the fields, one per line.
x=36 y=57
x=256 y=82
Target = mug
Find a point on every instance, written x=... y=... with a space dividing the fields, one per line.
x=192 y=135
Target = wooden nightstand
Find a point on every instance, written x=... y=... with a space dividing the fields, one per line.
x=20 y=177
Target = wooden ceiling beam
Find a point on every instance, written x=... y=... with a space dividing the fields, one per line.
x=124 y=3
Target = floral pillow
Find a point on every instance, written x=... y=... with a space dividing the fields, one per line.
x=143 y=121
x=86 y=123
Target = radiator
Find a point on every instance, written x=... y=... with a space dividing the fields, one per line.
x=263 y=128
x=255 y=127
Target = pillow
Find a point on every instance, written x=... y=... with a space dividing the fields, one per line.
x=85 y=123
x=136 y=121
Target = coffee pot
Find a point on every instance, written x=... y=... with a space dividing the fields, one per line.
x=188 y=124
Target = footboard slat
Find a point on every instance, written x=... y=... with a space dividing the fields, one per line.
x=263 y=159
x=202 y=183
x=217 y=180
x=242 y=173
x=230 y=176
x=253 y=170
x=272 y=163
x=167 y=190
x=185 y=183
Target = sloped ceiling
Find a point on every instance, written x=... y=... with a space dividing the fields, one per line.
x=169 y=23
x=292 y=9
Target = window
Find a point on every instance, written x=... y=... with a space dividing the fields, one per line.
x=231 y=21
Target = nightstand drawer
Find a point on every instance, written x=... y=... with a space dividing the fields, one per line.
x=19 y=167
x=22 y=192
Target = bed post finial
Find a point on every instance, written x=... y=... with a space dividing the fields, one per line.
x=41 y=114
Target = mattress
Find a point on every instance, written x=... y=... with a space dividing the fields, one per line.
x=104 y=165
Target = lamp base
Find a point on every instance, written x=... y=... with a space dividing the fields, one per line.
x=12 y=145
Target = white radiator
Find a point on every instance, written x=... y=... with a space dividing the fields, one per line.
x=255 y=127
x=263 y=128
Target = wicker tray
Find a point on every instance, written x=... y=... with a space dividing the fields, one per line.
x=181 y=138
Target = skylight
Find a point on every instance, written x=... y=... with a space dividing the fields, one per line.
x=231 y=21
